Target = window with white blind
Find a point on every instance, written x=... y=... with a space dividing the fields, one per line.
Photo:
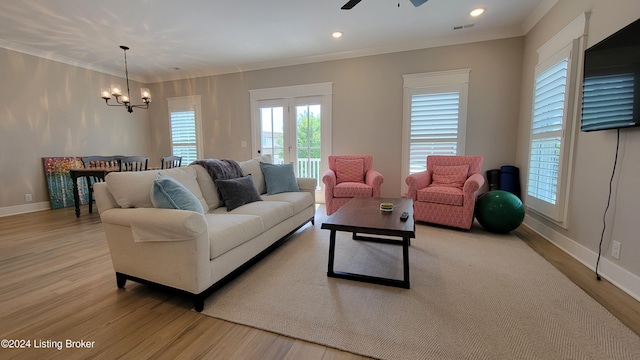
x=434 y=121
x=185 y=119
x=547 y=132
x=553 y=119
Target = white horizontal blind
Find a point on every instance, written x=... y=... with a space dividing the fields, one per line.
x=434 y=127
x=546 y=129
x=186 y=127
x=607 y=99
x=183 y=135
x=434 y=118
x=553 y=122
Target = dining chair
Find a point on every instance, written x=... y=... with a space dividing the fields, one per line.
x=97 y=162
x=134 y=163
x=168 y=162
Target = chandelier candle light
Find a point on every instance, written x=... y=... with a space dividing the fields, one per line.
x=124 y=100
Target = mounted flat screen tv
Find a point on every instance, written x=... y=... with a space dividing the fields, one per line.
x=611 y=82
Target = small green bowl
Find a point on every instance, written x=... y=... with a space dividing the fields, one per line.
x=386 y=206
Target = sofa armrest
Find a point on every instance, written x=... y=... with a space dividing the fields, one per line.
x=307 y=184
x=417 y=181
x=104 y=199
x=151 y=224
x=166 y=246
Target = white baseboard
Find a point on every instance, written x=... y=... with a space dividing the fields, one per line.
x=618 y=276
x=26 y=208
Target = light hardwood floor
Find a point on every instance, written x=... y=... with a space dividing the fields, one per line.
x=57 y=283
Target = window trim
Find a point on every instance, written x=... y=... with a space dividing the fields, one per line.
x=289 y=95
x=187 y=103
x=433 y=82
x=570 y=40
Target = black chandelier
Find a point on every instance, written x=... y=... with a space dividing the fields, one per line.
x=124 y=100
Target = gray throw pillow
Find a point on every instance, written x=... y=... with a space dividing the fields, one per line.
x=279 y=178
x=237 y=192
x=169 y=193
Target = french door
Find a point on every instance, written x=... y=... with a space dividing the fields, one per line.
x=293 y=125
x=290 y=130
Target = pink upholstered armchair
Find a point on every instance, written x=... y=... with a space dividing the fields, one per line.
x=446 y=192
x=349 y=176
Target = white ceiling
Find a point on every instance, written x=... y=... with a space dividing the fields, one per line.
x=189 y=38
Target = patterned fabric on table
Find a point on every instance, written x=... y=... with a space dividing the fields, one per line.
x=446 y=203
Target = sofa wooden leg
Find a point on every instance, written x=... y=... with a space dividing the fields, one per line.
x=121 y=279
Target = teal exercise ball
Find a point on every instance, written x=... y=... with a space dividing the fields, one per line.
x=499 y=211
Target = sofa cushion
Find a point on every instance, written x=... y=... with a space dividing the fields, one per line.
x=228 y=230
x=350 y=170
x=352 y=189
x=300 y=200
x=238 y=192
x=450 y=175
x=131 y=188
x=270 y=212
x=169 y=193
x=279 y=178
x=207 y=186
x=253 y=167
x=447 y=195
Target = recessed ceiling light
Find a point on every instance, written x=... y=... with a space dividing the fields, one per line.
x=337 y=34
x=477 y=12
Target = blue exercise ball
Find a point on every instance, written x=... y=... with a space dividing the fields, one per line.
x=499 y=211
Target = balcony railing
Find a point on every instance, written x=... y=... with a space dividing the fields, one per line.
x=310 y=168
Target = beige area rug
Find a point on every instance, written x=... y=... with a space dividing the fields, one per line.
x=473 y=295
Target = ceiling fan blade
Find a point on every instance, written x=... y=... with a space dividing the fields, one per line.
x=350 y=4
x=417 y=3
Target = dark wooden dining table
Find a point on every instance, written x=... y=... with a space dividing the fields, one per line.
x=87 y=173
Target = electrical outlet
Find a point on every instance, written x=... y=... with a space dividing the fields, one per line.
x=615 y=249
x=28 y=198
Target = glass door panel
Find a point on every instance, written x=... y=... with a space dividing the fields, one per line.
x=308 y=141
x=272 y=132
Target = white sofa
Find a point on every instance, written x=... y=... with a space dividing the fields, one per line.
x=186 y=250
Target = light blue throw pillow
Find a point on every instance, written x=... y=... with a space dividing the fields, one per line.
x=279 y=178
x=169 y=193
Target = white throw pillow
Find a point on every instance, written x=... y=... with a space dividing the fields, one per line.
x=253 y=167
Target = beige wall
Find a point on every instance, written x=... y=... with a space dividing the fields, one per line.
x=594 y=156
x=367 y=103
x=52 y=109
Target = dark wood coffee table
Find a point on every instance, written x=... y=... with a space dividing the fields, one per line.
x=363 y=216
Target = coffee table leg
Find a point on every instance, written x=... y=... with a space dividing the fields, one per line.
x=405 y=254
x=332 y=250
